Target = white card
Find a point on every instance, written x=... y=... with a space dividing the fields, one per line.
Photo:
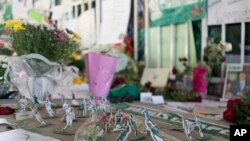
x=158 y=99
x=157 y=76
x=146 y=97
x=23 y=135
x=24 y=115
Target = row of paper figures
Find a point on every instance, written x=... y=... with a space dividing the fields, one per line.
x=104 y=107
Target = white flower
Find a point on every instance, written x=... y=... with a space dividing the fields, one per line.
x=4 y=65
x=228 y=47
x=223 y=43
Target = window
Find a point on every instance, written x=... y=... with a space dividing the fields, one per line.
x=214 y=32
x=79 y=11
x=233 y=36
x=247 y=43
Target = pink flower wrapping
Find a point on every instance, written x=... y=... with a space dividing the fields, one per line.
x=199 y=80
x=100 y=72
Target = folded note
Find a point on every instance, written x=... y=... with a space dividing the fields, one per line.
x=23 y=135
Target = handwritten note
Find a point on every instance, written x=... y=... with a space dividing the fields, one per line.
x=115 y=18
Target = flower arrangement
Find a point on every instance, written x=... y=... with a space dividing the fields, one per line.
x=44 y=39
x=214 y=57
x=149 y=88
x=238 y=110
x=182 y=95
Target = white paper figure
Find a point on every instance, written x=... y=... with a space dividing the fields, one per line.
x=23 y=103
x=188 y=128
x=70 y=116
x=37 y=115
x=199 y=125
x=48 y=105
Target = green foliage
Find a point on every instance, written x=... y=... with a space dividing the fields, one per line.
x=181 y=95
x=54 y=44
x=133 y=72
x=242 y=111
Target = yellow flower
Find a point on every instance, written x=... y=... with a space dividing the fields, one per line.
x=79 y=80
x=14 y=24
x=74 y=56
x=76 y=35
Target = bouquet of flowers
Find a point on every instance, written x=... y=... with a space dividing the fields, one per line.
x=238 y=110
x=101 y=65
x=213 y=55
x=44 y=39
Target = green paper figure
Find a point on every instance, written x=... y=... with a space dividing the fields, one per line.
x=132 y=122
x=124 y=132
x=93 y=112
x=146 y=114
x=102 y=130
x=83 y=106
x=118 y=121
x=155 y=134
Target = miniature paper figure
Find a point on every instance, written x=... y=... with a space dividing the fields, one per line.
x=103 y=129
x=63 y=99
x=102 y=106
x=118 y=121
x=23 y=103
x=36 y=100
x=83 y=106
x=125 y=131
x=154 y=132
x=37 y=115
x=65 y=105
x=74 y=101
x=48 y=107
x=93 y=109
x=70 y=116
x=199 y=125
x=132 y=122
x=146 y=114
x=188 y=128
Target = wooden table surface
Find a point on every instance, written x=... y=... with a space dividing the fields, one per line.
x=56 y=124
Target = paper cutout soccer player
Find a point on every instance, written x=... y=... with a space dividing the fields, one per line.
x=125 y=131
x=83 y=106
x=37 y=115
x=48 y=108
x=132 y=122
x=118 y=121
x=199 y=125
x=23 y=103
x=154 y=132
x=93 y=112
x=188 y=128
x=70 y=116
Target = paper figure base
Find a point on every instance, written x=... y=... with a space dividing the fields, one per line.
x=48 y=117
x=205 y=138
x=65 y=133
x=44 y=126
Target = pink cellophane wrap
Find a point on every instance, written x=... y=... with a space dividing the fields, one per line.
x=199 y=80
x=100 y=70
